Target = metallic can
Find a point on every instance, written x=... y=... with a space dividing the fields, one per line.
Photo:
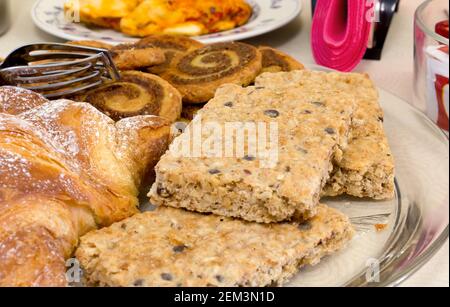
x=5 y=18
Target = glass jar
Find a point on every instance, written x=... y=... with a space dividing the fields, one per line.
x=5 y=20
x=432 y=61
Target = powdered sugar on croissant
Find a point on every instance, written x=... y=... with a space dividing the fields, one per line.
x=65 y=169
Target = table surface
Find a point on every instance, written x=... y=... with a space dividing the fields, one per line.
x=294 y=39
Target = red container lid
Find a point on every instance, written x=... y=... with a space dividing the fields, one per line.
x=442 y=28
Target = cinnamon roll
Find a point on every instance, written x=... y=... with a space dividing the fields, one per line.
x=173 y=47
x=198 y=74
x=132 y=56
x=137 y=93
x=274 y=60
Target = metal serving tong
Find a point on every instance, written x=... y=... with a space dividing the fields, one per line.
x=58 y=70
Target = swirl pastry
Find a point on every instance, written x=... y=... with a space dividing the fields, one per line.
x=137 y=93
x=198 y=74
x=172 y=46
x=274 y=60
x=132 y=56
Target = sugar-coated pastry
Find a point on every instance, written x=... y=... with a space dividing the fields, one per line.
x=67 y=169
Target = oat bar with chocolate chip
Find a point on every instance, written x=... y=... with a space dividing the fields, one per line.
x=367 y=166
x=255 y=153
x=176 y=248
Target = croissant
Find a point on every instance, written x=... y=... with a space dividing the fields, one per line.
x=15 y=100
x=66 y=169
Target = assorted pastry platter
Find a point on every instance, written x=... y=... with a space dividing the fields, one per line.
x=340 y=202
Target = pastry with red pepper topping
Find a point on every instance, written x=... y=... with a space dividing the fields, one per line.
x=146 y=17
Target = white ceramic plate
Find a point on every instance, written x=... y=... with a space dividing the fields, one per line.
x=268 y=15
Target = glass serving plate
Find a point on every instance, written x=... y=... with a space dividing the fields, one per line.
x=394 y=238
x=415 y=221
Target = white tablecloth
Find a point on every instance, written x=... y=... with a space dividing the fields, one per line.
x=394 y=73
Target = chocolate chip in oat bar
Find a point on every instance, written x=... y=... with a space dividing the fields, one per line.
x=272 y=113
x=138 y=283
x=229 y=104
x=166 y=276
x=301 y=149
x=180 y=126
x=249 y=158
x=247 y=172
x=162 y=191
x=179 y=249
x=219 y=278
x=214 y=171
x=307 y=112
x=330 y=131
x=287 y=169
x=305 y=226
x=318 y=103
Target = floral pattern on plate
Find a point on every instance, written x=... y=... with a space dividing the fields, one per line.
x=268 y=15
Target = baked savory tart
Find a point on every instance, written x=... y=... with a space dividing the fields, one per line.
x=146 y=17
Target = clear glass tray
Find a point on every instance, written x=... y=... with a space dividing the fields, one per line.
x=417 y=218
